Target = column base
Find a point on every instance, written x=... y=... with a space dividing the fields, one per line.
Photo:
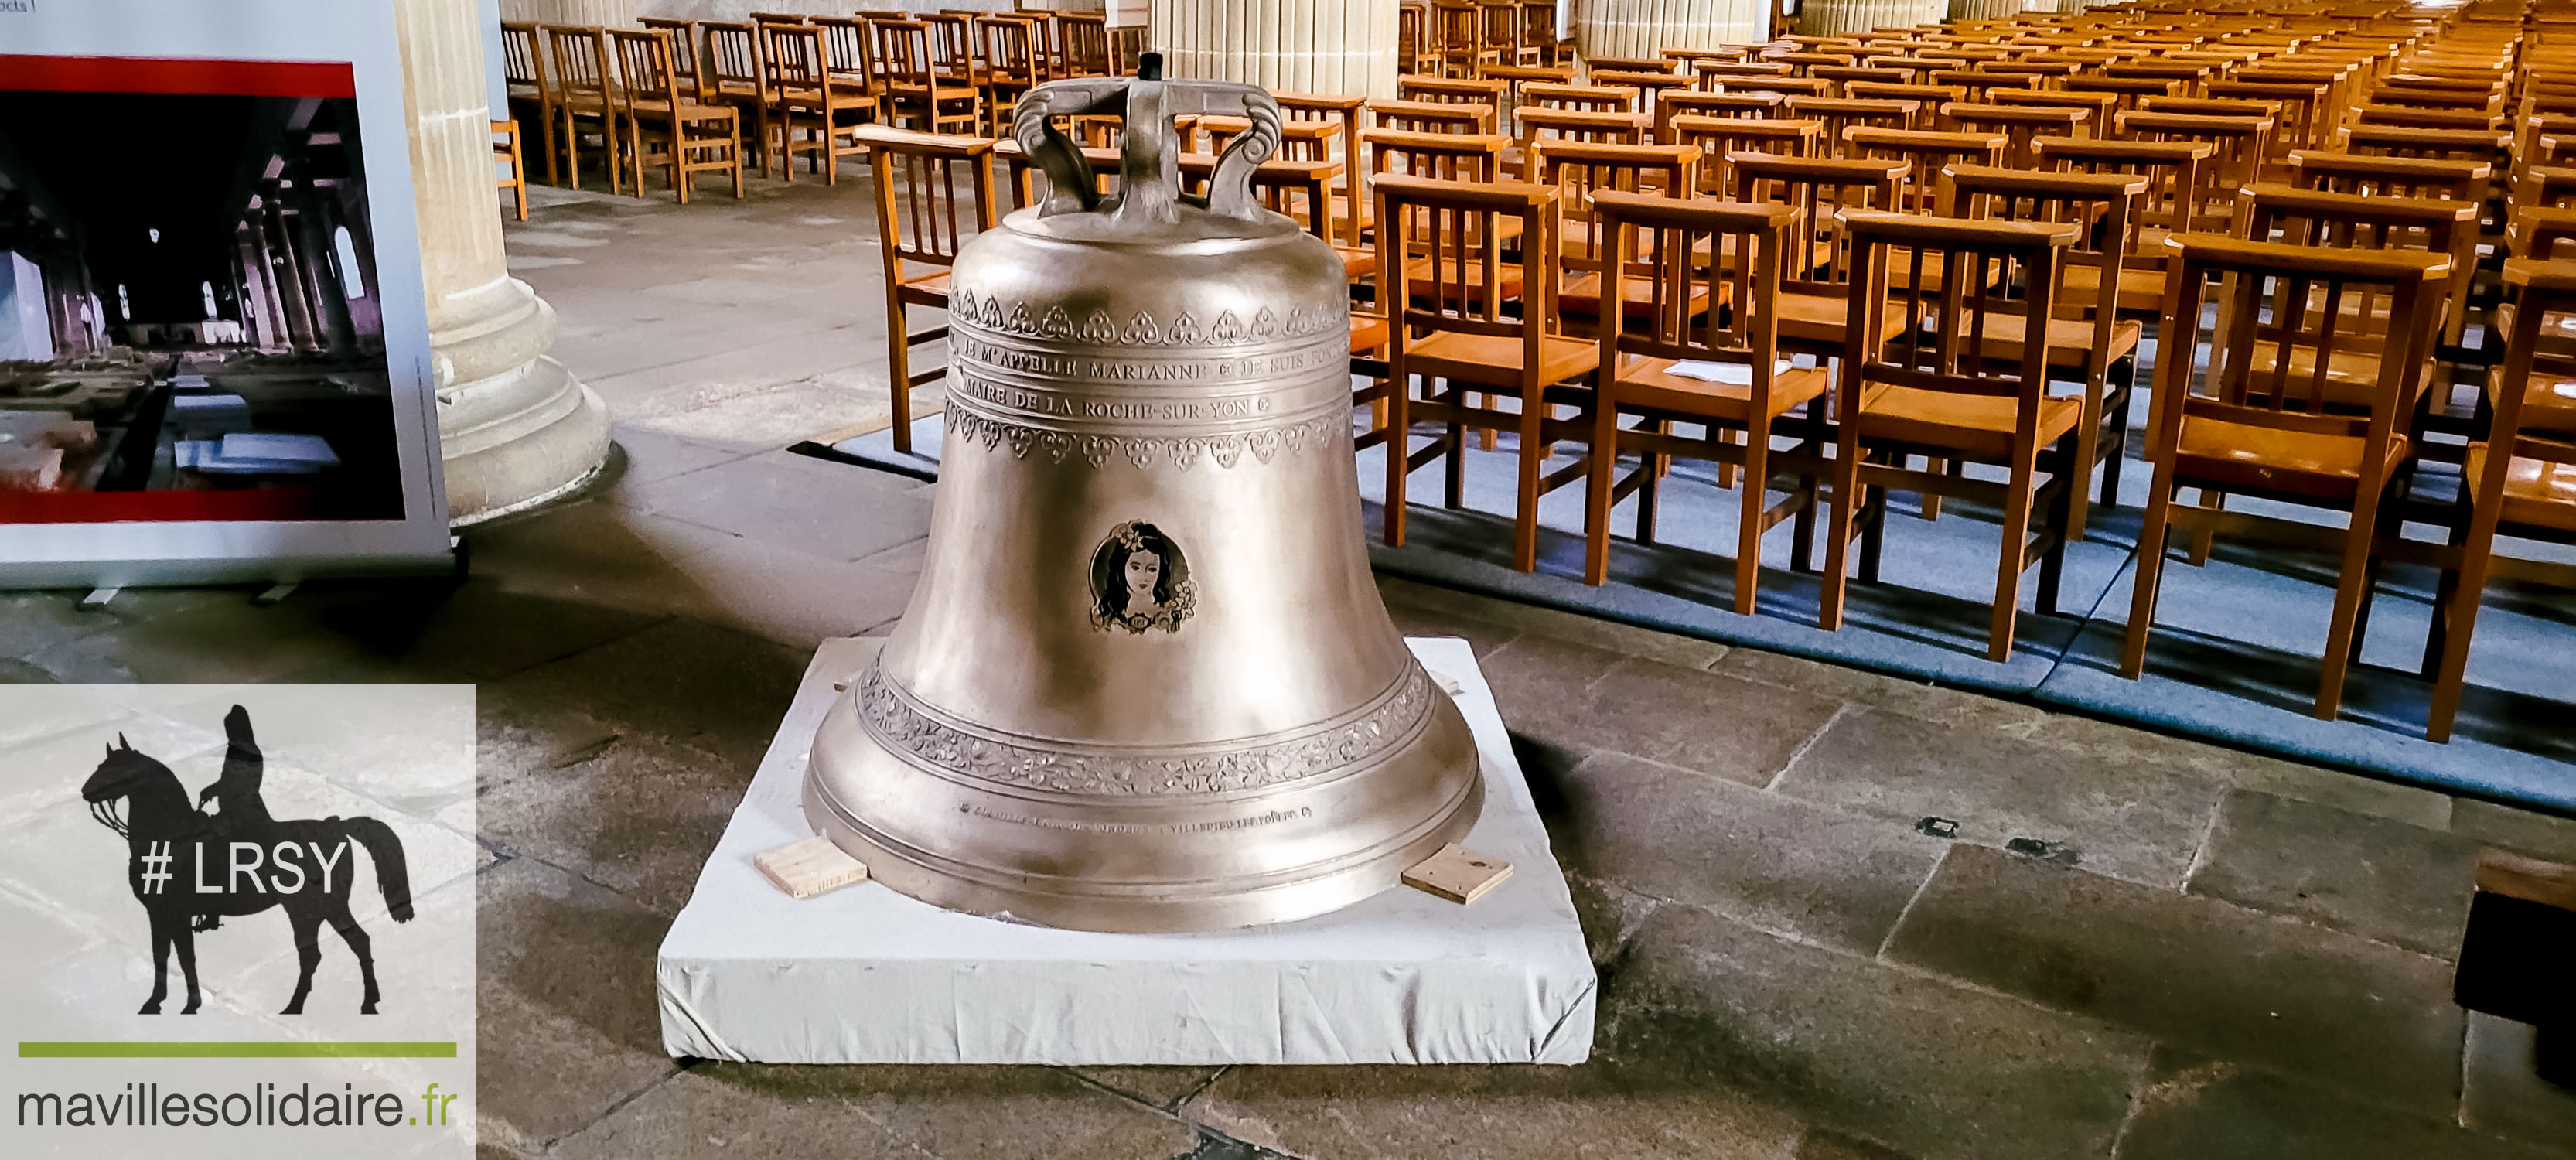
x=538 y=455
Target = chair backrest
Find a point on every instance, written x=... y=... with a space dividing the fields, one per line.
x=645 y=73
x=1432 y=116
x=1649 y=85
x=1441 y=156
x=1837 y=114
x=2172 y=170
x=2238 y=147
x=2353 y=221
x=1928 y=153
x=684 y=45
x=1581 y=98
x=903 y=53
x=2493 y=147
x=1536 y=125
x=1720 y=137
x=731 y=62
x=952 y=44
x=1988 y=269
x=581 y=61
x=1460 y=288
x=2018 y=125
x=2336 y=172
x=1691 y=256
x=845 y=49
x=523 y=62
x=1450 y=90
x=795 y=66
x=1010 y=50
x=1820 y=255
x=2541 y=295
x=1580 y=170
x=1637 y=64
x=2280 y=319
x=919 y=176
x=2102 y=206
x=1929 y=99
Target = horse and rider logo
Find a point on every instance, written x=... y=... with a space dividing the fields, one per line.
x=191 y=870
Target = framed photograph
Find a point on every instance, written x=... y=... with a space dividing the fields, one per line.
x=214 y=353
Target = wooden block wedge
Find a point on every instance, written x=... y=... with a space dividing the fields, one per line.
x=805 y=869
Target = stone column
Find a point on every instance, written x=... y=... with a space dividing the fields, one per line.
x=515 y=427
x=1839 y=17
x=1643 y=28
x=1306 y=46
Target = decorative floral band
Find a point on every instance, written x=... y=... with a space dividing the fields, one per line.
x=989 y=313
x=896 y=723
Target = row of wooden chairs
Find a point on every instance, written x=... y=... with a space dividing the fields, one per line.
x=1461 y=38
x=680 y=92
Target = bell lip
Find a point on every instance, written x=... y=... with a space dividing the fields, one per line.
x=1130 y=910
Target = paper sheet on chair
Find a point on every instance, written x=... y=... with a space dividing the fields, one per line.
x=1730 y=374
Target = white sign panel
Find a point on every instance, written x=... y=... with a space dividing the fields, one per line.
x=215 y=360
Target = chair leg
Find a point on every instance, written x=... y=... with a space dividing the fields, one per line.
x=2455 y=618
x=1528 y=461
x=1399 y=448
x=1840 y=511
x=2205 y=536
x=2070 y=485
x=1453 y=464
x=1748 y=531
x=1599 y=482
x=2124 y=378
x=2150 y=569
x=2353 y=584
x=898 y=368
x=734 y=127
x=572 y=150
x=546 y=141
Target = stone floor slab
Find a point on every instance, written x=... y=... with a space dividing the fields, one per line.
x=683 y=680
x=2371 y=876
x=1166 y=1088
x=567 y=1026
x=2202 y=974
x=2525 y=831
x=1767 y=860
x=793 y=501
x=2136 y=820
x=1932 y=1068
x=1489 y=1112
x=2230 y=1112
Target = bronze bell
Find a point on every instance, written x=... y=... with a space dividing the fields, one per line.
x=1145 y=682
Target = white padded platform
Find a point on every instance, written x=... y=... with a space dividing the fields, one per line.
x=865 y=975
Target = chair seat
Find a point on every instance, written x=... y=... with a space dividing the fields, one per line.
x=1819 y=319
x=1650 y=385
x=1980 y=425
x=2549 y=403
x=2536 y=493
x=927 y=290
x=1368 y=332
x=2070 y=340
x=1357 y=262
x=690 y=111
x=1582 y=295
x=2297 y=462
x=2351 y=375
x=2139 y=289
x=1494 y=360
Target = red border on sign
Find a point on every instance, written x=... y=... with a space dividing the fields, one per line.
x=117 y=74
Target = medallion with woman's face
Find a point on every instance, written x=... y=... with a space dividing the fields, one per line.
x=1139 y=581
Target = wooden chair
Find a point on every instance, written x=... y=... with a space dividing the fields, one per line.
x=505 y=151
x=1934 y=392
x=1927 y=153
x=1084 y=40
x=1837 y=114
x=1704 y=299
x=812 y=115
x=918 y=89
x=729 y=73
x=1719 y=138
x=585 y=91
x=2258 y=422
x=2018 y=125
x=1457 y=28
x=1011 y=66
x=530 y=87
x=920 y=222
x=1815 y=297
x=1451 y=90
x=2238 y=148
x=2088 y=342
x=2520 y=478
x=2164 y=208
x=1651 y=85
x=2098 y=108
x=1578 y=170
x=1340 y=113
x=684 y=48
x=664 y=121
x=1582 y=98
x=1453 y=329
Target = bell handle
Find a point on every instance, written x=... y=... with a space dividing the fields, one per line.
x=1230 y=186
x=1071 y=188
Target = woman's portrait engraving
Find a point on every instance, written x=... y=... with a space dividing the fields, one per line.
x=1139 y=581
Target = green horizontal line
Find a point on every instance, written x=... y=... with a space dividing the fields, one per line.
x=236 y=1051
